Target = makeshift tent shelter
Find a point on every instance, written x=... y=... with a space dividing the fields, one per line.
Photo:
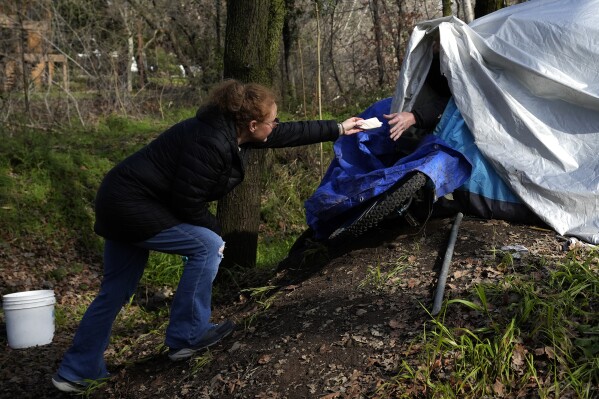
x=525 y=80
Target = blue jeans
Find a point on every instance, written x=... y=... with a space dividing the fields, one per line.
x=124 y=264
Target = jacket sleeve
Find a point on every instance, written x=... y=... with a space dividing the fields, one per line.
x=198 y=180
x=428 y=115
x=293 y=134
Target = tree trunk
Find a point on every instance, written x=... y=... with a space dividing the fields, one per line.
x=397 y=42
x=332 y=51
x=140 y=55
x=218 y=25
x=290 y=36
x=484 y=7
x=447 y=8
x=24 y=70
x=251 y=52
x=378 y=41
x=468 y=12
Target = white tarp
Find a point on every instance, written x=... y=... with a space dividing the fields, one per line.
x=526 y=81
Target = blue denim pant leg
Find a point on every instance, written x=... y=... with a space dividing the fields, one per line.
x=191 y=307
x=124 y=264
x=123 y=267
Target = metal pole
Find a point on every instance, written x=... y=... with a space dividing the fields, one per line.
x=445 y=267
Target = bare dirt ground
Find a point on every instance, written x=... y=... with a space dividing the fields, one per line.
x=328 y=329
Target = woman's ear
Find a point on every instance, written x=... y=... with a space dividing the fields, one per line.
x=252 y=125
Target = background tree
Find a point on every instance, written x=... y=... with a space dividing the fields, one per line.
x=484 y=7
x=290 y=40
x=251 y=52
x=447 y=8
x=468 y=11
x=375 y=6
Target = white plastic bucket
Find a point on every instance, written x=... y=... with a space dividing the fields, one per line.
x=29 y=317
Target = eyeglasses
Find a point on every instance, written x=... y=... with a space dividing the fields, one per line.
x=272 y=124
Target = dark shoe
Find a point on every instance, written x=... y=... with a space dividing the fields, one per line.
x=65 y=385
x=211 y=337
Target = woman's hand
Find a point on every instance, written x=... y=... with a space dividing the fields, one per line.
x=350 y=126
x=399 y=122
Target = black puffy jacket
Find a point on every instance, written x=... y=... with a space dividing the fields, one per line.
x=173 y=178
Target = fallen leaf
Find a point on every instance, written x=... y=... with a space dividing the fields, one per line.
x=264 y=359
x=498 y=388
x=394 y=324
x=460 y=273
x=518 y=357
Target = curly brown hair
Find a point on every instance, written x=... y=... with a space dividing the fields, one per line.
x=242 y=102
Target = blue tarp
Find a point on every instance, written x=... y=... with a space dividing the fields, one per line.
x=367 y=165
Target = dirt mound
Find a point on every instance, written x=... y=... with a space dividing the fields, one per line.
x=333 y=323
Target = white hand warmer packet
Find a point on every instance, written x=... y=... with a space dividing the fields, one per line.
x=371 y=123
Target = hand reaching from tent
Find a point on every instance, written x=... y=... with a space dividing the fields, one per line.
x=350 y=126
x=399 y=122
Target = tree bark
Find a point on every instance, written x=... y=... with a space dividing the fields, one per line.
x=447 y=8
x=332 y=38
x=484 y=7
x=397 y=42
x=24 y=69
x=218 y=25
x=251 y=51
x=468 y=12
x=290 y=36
x=378 y=40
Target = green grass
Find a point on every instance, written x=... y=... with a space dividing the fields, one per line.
x=545 y=340
x=48 y=180
x=385 y=277
x=271 y=250
x=163 y=270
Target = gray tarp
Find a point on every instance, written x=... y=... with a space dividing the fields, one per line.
x=526 y=81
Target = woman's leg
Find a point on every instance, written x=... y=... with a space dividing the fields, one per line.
x=191 y=308
x=123 y=267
